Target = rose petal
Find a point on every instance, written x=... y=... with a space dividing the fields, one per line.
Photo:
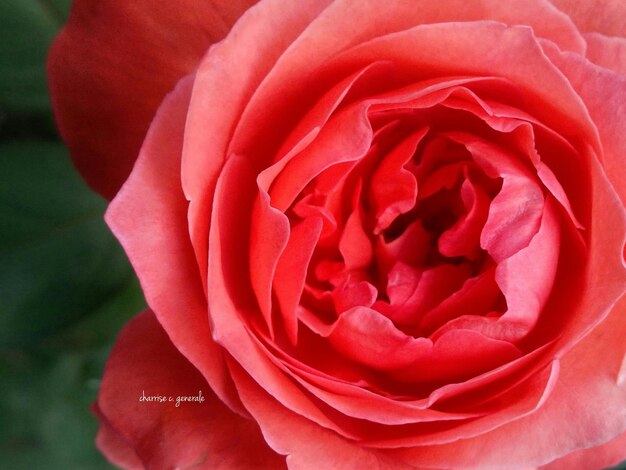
x=515 y=213
x=114 y=447
x=414 y=293
x=289 y=433
x=291 y=271
x=112 y=65
x=206 y=434
x=604 y=17
x=411 y=247
x=355 y=245
x=346 y=137
x=607 y=51
x=462 y=48
x=603 y=456
x=604 y=94
x=306 y=445
x=149 y=217
x=393 y=189
x=232 y=307
x=477 y=296
x=587 y=386
x=463 y=238
x=269 y=235
x=347 y=23
x=226 y=78
x=527 y=277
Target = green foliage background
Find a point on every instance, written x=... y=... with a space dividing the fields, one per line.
x=66 y=288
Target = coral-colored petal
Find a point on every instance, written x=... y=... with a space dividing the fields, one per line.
x=269 y=235
x=166 y=432
x=527 y=277
x=355 y=245
x=347 y=23
x=590 y=389
x=604 y=94
x=607 y=51
x=292 y=269
x=477 y=296
x=602 y=456
x=112 y=65
x=461 y=48
x=149 y=217
x=226 y=78
x=606 y=17
x=393 y=189
x=231 y=303
x=307 y=446
x=114 y=447
x=463 y=238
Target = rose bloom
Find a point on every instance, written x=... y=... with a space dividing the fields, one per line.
x=373 y=234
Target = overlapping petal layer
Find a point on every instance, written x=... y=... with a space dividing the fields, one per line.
x=380 y=230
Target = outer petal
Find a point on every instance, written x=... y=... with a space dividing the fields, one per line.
x=347 y=23
x=111 y=66
x=606 y=16
x=114 y=447
x=149 y=217
x=226 y=79
x=203 y=435
x=308 y=447
x=590 y=396
x=606 y=455
x=607 y=51
x=604 y=94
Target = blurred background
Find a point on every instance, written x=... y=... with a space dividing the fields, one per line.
x=66 y=288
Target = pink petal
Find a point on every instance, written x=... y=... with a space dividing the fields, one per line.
x=346 y=137
x=463 y=238
x=232 y=306
x=411 y=247
x=226 y=78
x=292 y=269
x=526 y=278
x=393 y=188
x=307 y=445
x=462 y=48
x=515 y=213
x=602 y=456
x=269 y=235
x=477 y=296
x=457 y=355
x=346 y=23
x=414 y=293
x=112 y=65
x=303 y=440
x=149 y=217
x=586 y=408
x=607 y=51
x=604 y=17
x=355 y=245
x=366 y=336
x=115 y=448
x=206 y=434
x=353 y=294
x=604 y=94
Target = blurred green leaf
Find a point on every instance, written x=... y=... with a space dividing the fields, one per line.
x=45 y=422
x=59 y=260
x=27 y=27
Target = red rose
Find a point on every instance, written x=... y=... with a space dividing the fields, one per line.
x=371 y=234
